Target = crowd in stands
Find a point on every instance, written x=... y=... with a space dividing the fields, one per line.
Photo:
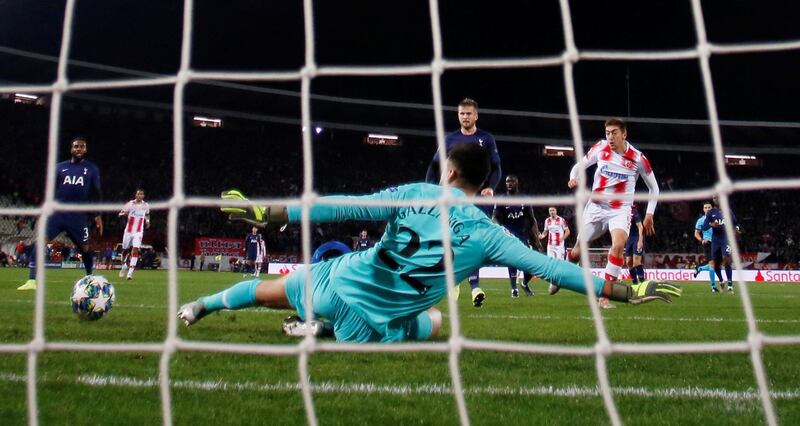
x=266 y=161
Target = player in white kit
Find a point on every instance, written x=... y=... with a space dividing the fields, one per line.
x=261 y=254
x=556 y=231
x=138 y=212
x=619 y=165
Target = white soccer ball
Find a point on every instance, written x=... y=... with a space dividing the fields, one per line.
x=92 y=297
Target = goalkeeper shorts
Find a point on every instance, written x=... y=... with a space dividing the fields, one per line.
x=348 y=325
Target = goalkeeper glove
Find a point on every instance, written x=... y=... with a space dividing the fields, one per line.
x=648 y=291
x=254 y=215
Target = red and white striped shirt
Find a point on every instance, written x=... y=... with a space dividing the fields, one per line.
x=137 y=216
x=617 y=174
x=556 y=227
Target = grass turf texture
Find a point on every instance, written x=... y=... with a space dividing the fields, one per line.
x=400 y=388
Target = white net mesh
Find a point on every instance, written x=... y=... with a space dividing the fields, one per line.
x=602 y=349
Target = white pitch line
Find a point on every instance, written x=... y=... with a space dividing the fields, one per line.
x=118 y=305
x=424 y=389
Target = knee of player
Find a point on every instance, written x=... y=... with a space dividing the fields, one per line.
x=272 y=293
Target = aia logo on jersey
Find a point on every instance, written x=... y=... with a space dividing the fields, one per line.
x=73 y=180
x=514 y=215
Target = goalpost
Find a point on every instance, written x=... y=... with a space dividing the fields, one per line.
x=601 y=350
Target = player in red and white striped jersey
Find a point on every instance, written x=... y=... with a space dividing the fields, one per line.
x=138 y=212
x=619 y=165
x=556 y=231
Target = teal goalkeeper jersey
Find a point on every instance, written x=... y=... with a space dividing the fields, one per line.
x=403 y=274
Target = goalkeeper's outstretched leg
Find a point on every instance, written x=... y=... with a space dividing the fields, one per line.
x=287 y=293
x=245 y=294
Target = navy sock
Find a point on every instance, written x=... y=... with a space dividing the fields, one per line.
x=640 y=272
x=718 y=271
x=512 y=277
x=31 y=251
x=526 y=278
x=88 y=261
x=474 y=280
x=729 y=274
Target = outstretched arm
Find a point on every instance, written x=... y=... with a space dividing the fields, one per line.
x=341 y=209
x=507 y=250
x=344 y=209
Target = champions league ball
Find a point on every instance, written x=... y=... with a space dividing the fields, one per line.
x=92 y=297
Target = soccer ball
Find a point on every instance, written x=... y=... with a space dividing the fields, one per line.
x=92 y=297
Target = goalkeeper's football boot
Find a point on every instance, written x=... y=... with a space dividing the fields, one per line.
x=294 y=326
x=478 y=296
x=514 y=293
x=605 y=303
x=553 y=289
x=527 y=289
x=654 y=290
x=192 y=312
x=714 y=289
x=29 y=285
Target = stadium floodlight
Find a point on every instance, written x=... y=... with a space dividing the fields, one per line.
x=23 y=98
x=199 y=121
x=379 y=139
x=742 y=160
x=558 y=151
x=318 y=130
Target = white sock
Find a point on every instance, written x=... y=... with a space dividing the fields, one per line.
x=613 y=267
x=134 y=259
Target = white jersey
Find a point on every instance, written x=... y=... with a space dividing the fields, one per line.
x=261 y=251
x=555 y=227
x=617 y=174
x=137 y=216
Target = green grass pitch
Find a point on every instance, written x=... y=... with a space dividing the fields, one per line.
x=400 y=388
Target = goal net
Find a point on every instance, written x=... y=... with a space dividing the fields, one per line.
x=181 y=199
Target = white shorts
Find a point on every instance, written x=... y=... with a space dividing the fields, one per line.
x=598 y=219
x=259 y=259
x=132 y=239
x=557 y=252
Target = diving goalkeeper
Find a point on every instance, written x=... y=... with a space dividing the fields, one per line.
x=387 y=293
